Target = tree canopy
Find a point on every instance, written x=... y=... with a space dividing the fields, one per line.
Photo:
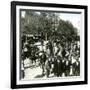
x=48 y=24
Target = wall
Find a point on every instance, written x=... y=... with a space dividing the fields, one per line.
x=5 y=44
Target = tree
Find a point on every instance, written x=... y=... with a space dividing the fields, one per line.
x=66 y=31
x=49 y=26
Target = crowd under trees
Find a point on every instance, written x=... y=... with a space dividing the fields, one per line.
x=40 y=26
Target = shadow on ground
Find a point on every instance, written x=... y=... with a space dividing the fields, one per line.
x=39 y=76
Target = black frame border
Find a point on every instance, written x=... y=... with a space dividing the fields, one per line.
x=13 y=44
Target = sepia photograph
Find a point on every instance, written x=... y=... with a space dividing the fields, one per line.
x=49 y=44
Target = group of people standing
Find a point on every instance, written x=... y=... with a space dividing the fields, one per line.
x=57 y=60
x=61 y=61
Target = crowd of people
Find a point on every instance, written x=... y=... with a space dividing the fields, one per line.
x=61 y=61
x=56 y=59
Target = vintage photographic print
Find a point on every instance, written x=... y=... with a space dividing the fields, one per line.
x=49 y=43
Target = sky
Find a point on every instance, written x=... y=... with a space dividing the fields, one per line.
x=75 y=19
